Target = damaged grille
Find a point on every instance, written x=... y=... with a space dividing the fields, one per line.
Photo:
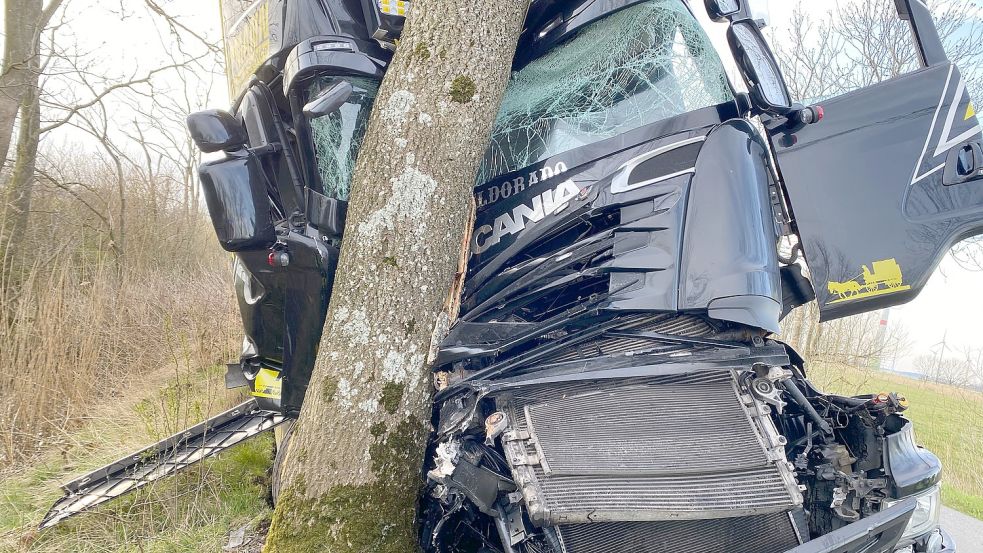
x=772 y=533
x=652 y=449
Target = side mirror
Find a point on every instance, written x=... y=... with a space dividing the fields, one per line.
x=235 y=191
x=768 y=89
x=720 y=9
x=216 y=129
x=329 y=100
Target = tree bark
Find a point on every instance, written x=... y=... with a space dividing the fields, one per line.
x=20 y=190
x=24 y=20
x=20 y=22
x=354 y=465
x=19 y=92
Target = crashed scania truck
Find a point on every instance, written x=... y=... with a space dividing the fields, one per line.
x=614 y=382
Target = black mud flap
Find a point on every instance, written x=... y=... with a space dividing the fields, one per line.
x=167 y=457
x=878 y=533
x=886 y=182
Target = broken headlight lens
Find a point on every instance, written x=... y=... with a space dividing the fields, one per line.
x=928 y=508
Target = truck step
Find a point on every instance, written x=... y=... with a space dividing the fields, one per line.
x=162 y=459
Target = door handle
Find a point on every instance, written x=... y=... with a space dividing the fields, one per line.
x=963 y=164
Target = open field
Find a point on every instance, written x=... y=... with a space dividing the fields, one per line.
x=948 y=421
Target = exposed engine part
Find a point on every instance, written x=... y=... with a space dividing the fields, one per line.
x=459 y=471
x=495 y=424
x=802 y=402
x=765 y=390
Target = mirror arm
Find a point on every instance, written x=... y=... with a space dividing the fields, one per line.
x=266 y=149
x=930 y=48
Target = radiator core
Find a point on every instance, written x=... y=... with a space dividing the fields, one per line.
x=675 y=448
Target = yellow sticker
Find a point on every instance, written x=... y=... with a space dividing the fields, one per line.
x=883 y=277
x=267 y=384
x=970 y=112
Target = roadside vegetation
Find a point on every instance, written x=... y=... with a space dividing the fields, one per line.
x=196 y=511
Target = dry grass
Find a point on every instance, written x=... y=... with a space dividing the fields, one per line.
x=104 y=295
x=70 y=340
x=104 y=350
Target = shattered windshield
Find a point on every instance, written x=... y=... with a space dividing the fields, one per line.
x=338 y=135
x=637 y=66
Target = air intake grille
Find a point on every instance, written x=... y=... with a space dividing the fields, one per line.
x=651 y=449
x=771 y=533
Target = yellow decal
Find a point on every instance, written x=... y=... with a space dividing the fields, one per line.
x=267 y=384
x=885 y=278
x=246 y=30
x=970 y=112
x=394 y=7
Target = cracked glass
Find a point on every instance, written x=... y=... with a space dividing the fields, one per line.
x=338 y=136
x=637 y=66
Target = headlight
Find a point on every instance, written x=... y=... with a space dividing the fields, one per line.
x=925 y=518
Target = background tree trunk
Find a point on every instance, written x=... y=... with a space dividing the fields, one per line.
x=20 y=21
x=353 y=467
x=20 y=92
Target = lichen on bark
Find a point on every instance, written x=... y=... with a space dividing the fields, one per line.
x=462 y=89
x=392 y=396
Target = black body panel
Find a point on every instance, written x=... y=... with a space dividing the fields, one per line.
x=674 y=217
x=877 y=533
x=913 y=469
x=306 y=293
x=164 y=458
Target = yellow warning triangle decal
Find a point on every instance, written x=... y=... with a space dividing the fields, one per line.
x=970 y=111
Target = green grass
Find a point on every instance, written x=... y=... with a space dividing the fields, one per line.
x=948 y=421
x=193 y=511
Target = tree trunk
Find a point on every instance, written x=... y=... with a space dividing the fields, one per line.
x=20 y=21
x=354 y=464
x=19 y=92
x=20 y=189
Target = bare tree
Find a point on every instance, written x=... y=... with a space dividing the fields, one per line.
x=24 y=21
x=60 y=85
x=954 y=371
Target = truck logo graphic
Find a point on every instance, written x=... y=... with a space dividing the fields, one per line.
x=884 y=277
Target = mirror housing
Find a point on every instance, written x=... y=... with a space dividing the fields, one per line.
x=329 y=100
x=769 y=92
x=215 y=129
x=331 y=55
x=239 y=206
x=721 y=9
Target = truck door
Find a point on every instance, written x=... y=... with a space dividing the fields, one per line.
x=887 y=182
